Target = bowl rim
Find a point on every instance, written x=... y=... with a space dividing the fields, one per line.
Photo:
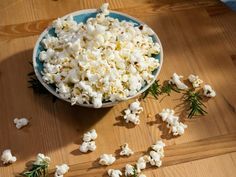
x=107 y=104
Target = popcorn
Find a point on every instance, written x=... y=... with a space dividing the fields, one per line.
x=98 y=61
x=175 y=79
x=177 y=128
x=132 y=113
x=104 y=9
x=141 y=163
x=114 y=173
x=126 y=151
x=21 y=122
x=142 y=175
x=41 y=158
x=129 y=170
x=208 y=91
x=196 y=82
x=61 y=170
x=88 y=146
x=155 y=159
x=90 y=135
x=159 y=147
x=107 y=159
x=7 y=157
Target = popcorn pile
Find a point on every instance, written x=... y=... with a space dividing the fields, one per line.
x=132 y=113
x=89 y=143
x=176 y=127
x=101 y=60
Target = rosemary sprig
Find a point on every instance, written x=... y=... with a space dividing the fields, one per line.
x=154 y=90
x=135 y=172
x=167 y=88
x=194 y=103
x=37 y=170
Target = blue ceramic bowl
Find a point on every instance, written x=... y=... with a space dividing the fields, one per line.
x=82 y=16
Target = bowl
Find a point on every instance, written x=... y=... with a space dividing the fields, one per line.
x=82 y=16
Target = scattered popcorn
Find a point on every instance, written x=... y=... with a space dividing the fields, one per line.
x=98 y=61
x=61 y=170
x=196 y=82
x=208 y=91
x=135 y=107
x=142 y=175
x=114 y=173
x=41 y=159
x=129 y=170
x=90 y=135
x=7 y=157
x=107 y=159
x=155 y=159
x=177 y=128
x=21 y=122
x=159 y=147
x=175 y=79
x=88 y=146
x=132 y=113
x=126 y=151
x=141 y=163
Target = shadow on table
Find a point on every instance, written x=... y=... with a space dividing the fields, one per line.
x=52 y=124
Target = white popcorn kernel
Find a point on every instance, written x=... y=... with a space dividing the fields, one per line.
x=177 y=128
x=129 y=117
x=135 y=107
x=155 y=159
x=21 y=122
x=88 y=146
x=41 y=159
x=61 y=170
x=107 y=159
x=196 y=82
x=142 y=175
x=90 y=135
x=159 y=147
x=126 y=151
x=7 y=157
x=129 y=170
x=114 y=173
x=104 y=8
x=208 y=91
x=175 y=79
x=141 y=163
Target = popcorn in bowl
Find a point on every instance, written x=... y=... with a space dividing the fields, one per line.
x=101 y=60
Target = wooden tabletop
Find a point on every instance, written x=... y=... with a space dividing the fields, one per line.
x=198 y=36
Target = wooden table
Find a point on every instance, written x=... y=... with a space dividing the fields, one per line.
x=198 y=37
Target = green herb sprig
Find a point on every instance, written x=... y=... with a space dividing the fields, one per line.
x=37 y=170
x=156 y=89
x=135 y=172
x=194 y=103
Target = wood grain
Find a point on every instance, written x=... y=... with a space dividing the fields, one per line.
x=198 y=37
x=175 y=154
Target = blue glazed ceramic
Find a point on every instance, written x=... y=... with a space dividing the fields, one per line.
x=82 y=16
